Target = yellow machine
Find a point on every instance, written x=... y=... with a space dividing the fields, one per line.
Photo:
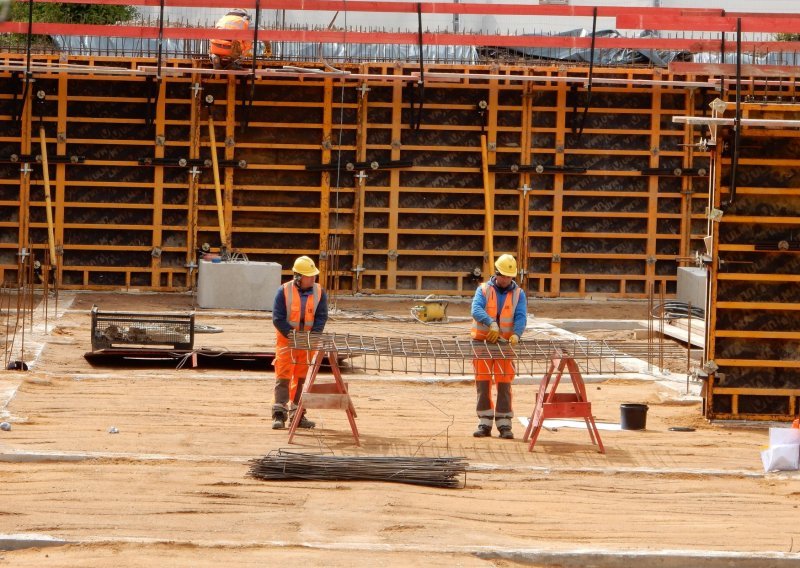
x=430 y=311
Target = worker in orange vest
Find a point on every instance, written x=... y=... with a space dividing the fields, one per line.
x=227 y=52
x=499 y=313
x=301 y=305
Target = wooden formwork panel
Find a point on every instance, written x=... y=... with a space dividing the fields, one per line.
x=606 y=215
x=754 y=319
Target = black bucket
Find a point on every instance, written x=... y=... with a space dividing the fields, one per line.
x=633 y=416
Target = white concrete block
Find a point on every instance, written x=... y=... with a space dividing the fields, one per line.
x=238 y=285
x=692 y=286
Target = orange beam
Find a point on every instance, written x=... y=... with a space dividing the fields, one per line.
x=411 y=7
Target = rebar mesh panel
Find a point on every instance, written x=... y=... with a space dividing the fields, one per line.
x=110 y=329
x=455 y=356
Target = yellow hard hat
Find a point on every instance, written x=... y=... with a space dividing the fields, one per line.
x=506 y=265
x=305 y=266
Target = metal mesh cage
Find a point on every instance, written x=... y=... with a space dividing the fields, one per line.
x=130 y=329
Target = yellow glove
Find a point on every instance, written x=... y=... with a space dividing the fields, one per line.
x=513 y=340
x=494 y=333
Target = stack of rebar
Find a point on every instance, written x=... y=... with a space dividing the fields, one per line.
x=434 y=472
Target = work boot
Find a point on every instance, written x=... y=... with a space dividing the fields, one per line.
x=506 y=433
x=306 y=423
x=483 y=431
x=278 y=417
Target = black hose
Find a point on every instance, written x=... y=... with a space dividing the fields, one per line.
x=675 y=309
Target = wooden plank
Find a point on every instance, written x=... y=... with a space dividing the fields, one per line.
x=757 y=306
x=326 y=401
x=771 y=364
x=757 y=391
x=750 y=334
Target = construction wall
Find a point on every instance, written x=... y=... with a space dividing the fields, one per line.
x=753 y=338
x=610 y=209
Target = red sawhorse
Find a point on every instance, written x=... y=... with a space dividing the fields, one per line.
x=327 y=395
x=550 y=404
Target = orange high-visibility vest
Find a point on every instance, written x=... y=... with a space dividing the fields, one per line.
x=227 y=47
x=506 y=320
x=293 y=302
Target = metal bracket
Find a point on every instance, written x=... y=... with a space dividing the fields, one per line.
x=714 y=214
x=781 y=246
x=678 y=172
x=356 y=166
x=190 y=163
x=537 y=168
x=37 y=159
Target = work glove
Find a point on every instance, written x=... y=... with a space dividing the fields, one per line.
x=494 y=333
x=513 y=340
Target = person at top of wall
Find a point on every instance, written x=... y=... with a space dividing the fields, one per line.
x=226 y=53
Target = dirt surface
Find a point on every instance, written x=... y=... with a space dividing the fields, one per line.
x=170 y=487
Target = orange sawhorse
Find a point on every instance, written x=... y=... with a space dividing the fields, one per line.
x=327 y=395
x=550 y=404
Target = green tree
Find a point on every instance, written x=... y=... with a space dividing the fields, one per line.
x=73 y=13
x=787 y=37
x=63 y=14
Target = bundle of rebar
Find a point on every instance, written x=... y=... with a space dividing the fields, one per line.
x=433 y=472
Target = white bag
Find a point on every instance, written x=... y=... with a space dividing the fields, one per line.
x=784 y=457
x=783 y=436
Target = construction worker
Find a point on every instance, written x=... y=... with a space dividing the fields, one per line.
x=300 y=305
x=499 y=313
x=227 y=52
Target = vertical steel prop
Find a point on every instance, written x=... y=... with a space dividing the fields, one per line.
x=51 y=239
x=488 y=206
x=215 y=166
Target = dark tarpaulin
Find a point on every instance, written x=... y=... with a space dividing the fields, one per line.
x=608 y=57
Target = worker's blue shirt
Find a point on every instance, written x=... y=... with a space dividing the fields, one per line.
x=520 y=313
x=280 y=317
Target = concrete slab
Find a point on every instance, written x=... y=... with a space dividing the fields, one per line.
x=20 y=541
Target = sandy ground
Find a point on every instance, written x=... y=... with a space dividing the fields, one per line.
x=170 y=488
